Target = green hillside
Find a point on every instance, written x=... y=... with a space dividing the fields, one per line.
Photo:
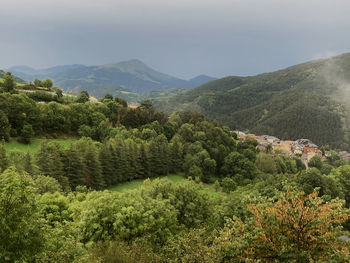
x=308 y=100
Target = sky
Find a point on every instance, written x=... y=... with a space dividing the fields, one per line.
x=183 y=38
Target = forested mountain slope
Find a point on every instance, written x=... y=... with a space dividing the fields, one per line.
x=308 y=100
x=61 y=195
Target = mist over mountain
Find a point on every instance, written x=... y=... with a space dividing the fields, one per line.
x=309 y=100
x=132 y=75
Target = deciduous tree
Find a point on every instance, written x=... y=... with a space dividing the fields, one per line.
x=295 y=228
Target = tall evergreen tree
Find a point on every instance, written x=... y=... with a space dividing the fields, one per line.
x=42 y=160
x=143 y=159
x=115 y=162
x=106 y=161
x=138 y=162
x=132 y=163
x=123 y=163
x=92 y=171
x=50 y=163
x=159 y=156
x=73 y=167
x=176 y=158
x=164 y=153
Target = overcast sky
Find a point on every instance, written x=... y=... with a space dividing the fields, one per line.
x=179 y=37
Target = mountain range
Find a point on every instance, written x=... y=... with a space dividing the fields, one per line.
x=132 y=75
x=309 y=100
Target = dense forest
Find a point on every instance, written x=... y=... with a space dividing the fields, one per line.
x=234 y=204
x=309 y=100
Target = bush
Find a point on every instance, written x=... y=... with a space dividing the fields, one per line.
x=228 y=185
x=26 y=134
x=316 y=162
x=195 y=172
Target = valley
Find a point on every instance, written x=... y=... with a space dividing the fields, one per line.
x=174 y=131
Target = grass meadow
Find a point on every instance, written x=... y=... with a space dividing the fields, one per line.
x=14 y=145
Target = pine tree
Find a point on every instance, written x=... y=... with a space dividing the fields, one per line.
x=144 y=161
x=165 y=156
x=139 y=171
x=50 y=163
x=176 y=159
x=42 y=160
x=155 y=159
x=92 y=171
x=132 y=163
x=159 y=156
x=123 y=163
x=73 y=167
x=106 y=161
x=115 y=161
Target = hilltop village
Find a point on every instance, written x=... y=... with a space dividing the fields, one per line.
x=303 y=148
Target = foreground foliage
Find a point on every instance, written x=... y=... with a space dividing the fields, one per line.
x=295 y=228
x=165 y=222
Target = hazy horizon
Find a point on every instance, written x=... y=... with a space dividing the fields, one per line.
x=181 y=38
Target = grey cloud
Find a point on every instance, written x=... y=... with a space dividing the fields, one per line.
x=183 y=37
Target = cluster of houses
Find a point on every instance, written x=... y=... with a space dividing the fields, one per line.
x=303 y=148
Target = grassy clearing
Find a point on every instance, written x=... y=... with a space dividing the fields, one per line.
x=135 y=184
x=175 y=178
x=32 y=148
x=210 y=190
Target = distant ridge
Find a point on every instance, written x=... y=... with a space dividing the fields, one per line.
x=132 y=75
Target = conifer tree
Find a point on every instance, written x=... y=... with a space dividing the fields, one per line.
x=164 y=148
x=155 y=159
x=116 y=176
x=73 y=167
x=105 y=157
x=132 y=163
x=92 y=171
x=123 y=164
x=159 y=156
x=50 y=163
x=42 y=160
x=139 y=172
x=144 y=161
x=176 y=159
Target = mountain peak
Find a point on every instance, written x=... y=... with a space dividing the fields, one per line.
x=133 y=61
